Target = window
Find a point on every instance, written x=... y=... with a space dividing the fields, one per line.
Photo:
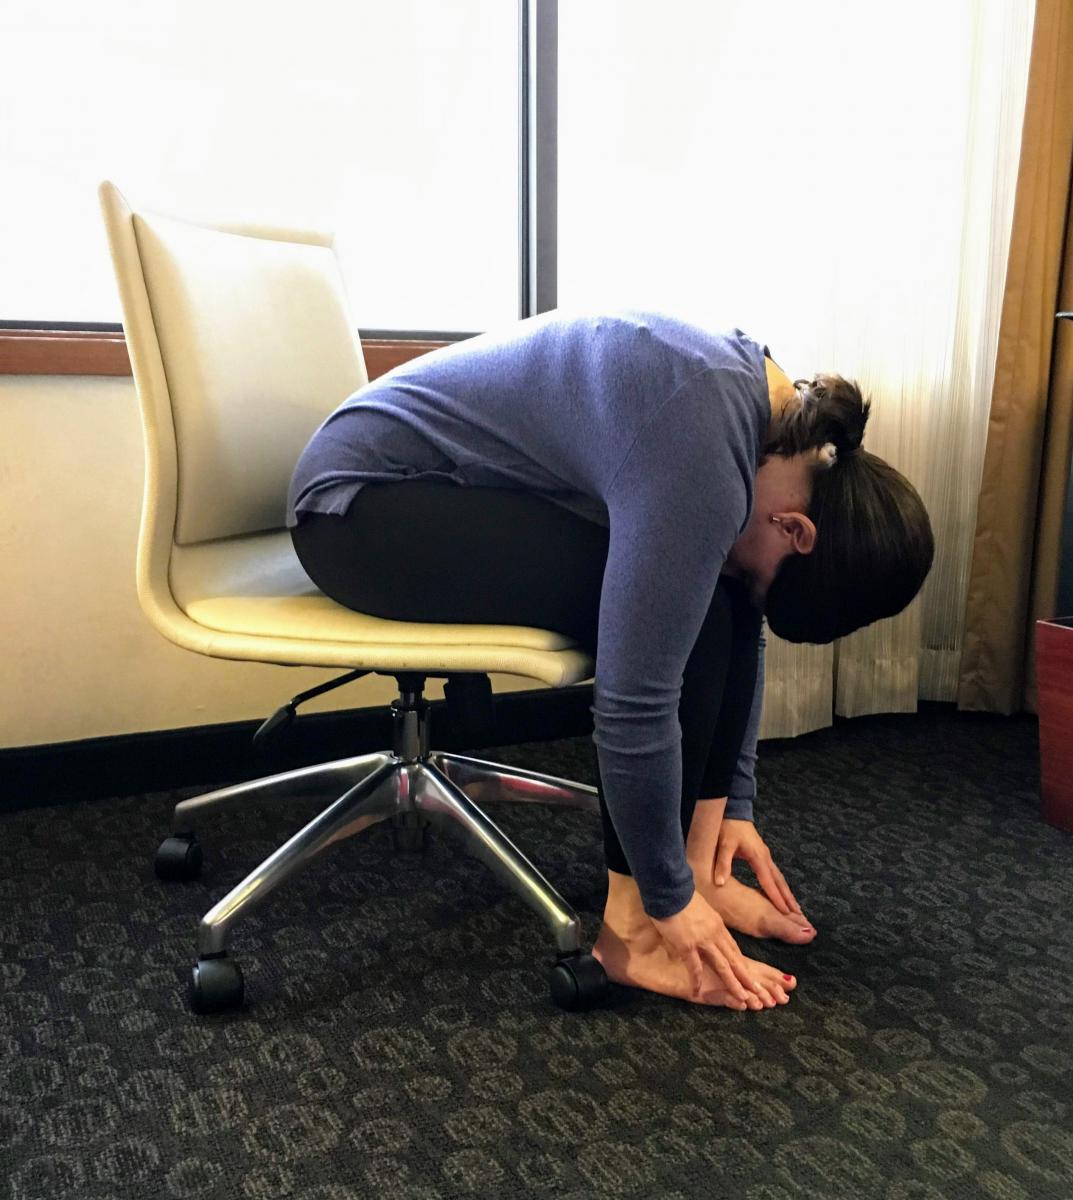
x=820 y=174
x=393 y=124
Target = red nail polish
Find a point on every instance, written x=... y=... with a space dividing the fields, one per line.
x=787 y=978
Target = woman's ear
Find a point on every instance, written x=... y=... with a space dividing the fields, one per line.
x=799 y=529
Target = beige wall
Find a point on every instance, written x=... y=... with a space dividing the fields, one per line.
x=79 y=659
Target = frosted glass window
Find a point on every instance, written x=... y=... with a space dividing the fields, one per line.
x=395 y=124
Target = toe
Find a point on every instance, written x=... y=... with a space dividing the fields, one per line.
x=778 y=983
x=790 y=929
x=763 y=990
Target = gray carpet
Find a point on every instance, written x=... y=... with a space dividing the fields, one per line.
x=398 y=1041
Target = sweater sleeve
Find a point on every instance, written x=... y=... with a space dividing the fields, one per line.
x=676 y=505
x=743 y=785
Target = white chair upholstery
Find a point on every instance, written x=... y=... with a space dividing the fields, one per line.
x=241 y=343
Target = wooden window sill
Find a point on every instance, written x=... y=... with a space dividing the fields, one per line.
x=86 y=352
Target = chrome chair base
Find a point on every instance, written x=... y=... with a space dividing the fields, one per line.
x=414 y=788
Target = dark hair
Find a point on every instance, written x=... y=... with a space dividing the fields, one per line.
x=874 y=544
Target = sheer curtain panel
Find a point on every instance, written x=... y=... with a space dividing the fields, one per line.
x=837 y=180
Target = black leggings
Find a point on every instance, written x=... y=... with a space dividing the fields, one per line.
x=415 y=550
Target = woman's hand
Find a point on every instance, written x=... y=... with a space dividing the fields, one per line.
x=698 y=936
x=739 y=839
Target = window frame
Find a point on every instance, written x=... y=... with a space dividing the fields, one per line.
x=46 y=350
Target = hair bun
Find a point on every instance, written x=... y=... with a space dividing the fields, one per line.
x=832 y=412
x=841 y=412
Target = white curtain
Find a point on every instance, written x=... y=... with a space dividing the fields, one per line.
x=837 y=179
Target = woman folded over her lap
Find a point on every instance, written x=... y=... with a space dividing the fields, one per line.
x=653 y=490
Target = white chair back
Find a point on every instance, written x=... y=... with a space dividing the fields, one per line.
x=241 y=343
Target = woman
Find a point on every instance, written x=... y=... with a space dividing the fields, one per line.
x=646 y=487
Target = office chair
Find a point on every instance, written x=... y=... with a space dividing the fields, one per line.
x=241 y=344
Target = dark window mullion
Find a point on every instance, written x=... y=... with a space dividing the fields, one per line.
x=538 y=225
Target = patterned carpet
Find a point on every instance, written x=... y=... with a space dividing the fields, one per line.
x=398 y=1041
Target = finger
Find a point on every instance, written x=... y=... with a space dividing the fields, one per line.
x=784 y=887
x=744 y=972
x=696 y=972
x=723 y=969
x=735 y=960
x=723 y=861
x=765 y=874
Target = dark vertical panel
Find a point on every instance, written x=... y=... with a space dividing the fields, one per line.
x=1065 y=568
x=539 y=25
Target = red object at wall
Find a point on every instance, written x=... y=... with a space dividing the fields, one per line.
x=1054 y=682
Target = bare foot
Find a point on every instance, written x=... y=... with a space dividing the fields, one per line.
x=633 y=953
x=749 y=911
x=638 y=957
x=644 y=961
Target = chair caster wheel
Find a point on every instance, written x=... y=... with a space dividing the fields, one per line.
x=178 y=858
x=577 y=982
x=216 y=985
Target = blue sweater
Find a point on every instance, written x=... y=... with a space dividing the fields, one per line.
x=646 y=424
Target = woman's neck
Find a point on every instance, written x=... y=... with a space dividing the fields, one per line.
x=779 y=388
